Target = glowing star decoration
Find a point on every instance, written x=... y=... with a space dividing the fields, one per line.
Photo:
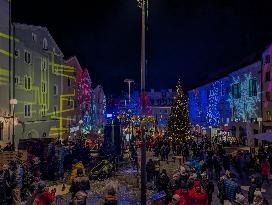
x=245 y=107
x=213 y=115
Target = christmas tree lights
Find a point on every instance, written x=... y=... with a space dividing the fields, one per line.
x=178 y=123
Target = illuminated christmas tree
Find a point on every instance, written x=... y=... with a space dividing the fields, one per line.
x=178 y=122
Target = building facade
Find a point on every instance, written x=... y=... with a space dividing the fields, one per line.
x=230 y=105
x=39 y=72
x=267 y=90
x=6 y=67
x=99 y=106
x=159 y=104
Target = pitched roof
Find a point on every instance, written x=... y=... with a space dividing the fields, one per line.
x=35 y=28
x=223 y=72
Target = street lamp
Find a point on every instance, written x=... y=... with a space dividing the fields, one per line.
x=143 y=4
x=129 y=81
x=13 y=102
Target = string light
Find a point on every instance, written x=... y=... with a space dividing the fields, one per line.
x=245 y=107
x=178 y=124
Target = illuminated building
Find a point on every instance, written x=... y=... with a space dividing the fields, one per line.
x=267 y=90
x=245 y=100
x=5 y=65
x=39 y=72
x=159 y=103
x=100 y=106
x=231 y=103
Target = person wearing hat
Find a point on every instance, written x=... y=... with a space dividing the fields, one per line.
x=42 y=196
x=174 y=183
x=183 y=193
x=80 y=183
x=197 y=195
x=76 y=165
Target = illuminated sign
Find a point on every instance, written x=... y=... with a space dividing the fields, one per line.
x=74 y=129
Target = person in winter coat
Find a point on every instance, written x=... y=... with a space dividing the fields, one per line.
x=258 y=198
x=251 y=190
x=42 y=196
x=265 y=171
x=76 y=165
x=174 y=183
x=208 y=186
x=80 y=183
x=3 y=185
x=175 y=200
x=150 y=169
x=197 y=196
x=183 y=194
x=162 y=181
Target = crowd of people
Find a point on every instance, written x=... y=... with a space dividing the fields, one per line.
x=206 y=166
x=203 y=167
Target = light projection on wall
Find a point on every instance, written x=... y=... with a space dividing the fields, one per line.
x=66 y=72
x=244 y=105
x=213 y=114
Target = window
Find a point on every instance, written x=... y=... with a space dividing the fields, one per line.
x=267 y=95
x=267 y=76
x=69 y=101
x=43 y=64
x=34 y=37
x=43 y=112
x=267 y=59
x=55 y=91
x=16 y=53
x=55 y=110
x=252 y=87
x=16 y=80
x=269 y=116
x=27 y=57
x=43 y=87
x=236 y=91
x=27 y=110
x=45 y=44
x=27 y=82
x=69 y=82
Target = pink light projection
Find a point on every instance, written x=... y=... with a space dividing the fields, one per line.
x=84 y=89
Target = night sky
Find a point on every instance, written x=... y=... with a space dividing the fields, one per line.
x=187 y=39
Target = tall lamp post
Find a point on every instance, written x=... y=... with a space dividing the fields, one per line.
x=129 y=81
x=13 y=102
x=143 y=4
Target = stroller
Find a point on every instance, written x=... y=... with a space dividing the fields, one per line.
x=101 y=171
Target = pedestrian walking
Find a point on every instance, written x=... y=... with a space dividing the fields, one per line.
x=265 y=171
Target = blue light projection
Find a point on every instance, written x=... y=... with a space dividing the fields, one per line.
x=245 y=107
x=208 y=105
x=213 y=115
